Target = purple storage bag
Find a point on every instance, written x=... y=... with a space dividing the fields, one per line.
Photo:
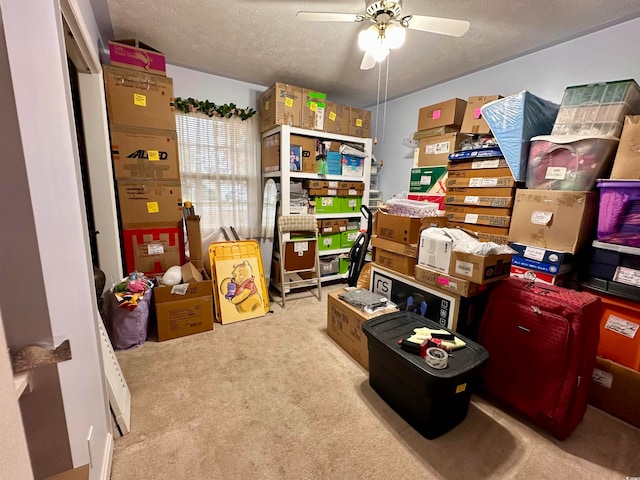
x=128 y=329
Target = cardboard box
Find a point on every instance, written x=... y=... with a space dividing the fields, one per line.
x=443 y=114
x=542 y=267
x=559 y=280
x=139 y=99
x=555 y=220
x=344 y=325
x=280 y=104
x=484 y=233
x=480 y=182
x=144 y=154
x=479 y=173
x=149 y=202
x=194 y=237
x=435 y=248
x=485 y=191
x=434 y=132
x=153 y=250
x=271 y=152
x=626 y=164
x=473 y=121
x=313 y=109
x=394 y=261
x=435 y=150
x=391 y=246
x=616 y=390
x=333 y=225
x=398 y=229
x=479 y=200
x=133 y=54
x=360 y=122
x=337 y=118
x=478 y=210
x=184 y=309
x=428 y=180
x=479 y=269
x=479 y=164
x=474 y=218
x=446 y=282
x=542 y=255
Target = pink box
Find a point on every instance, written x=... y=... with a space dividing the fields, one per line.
x=137 y=56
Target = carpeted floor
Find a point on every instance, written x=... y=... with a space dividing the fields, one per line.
x=276 y=398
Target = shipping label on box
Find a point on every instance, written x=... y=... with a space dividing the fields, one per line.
x=473 y=121
x=428 y=180
x=142 y=153
x=139 y=99
x=149 y=202
x=280 y=104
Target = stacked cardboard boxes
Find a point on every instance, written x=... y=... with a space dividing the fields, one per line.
x=145 y=159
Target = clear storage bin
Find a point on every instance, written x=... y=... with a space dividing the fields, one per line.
x=569 y=162
x=412 y=208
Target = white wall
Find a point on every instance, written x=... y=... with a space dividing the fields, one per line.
x=610 y=54
x=219 y=90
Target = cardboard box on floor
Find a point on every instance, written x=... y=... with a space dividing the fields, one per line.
x=626 y=165
x=616 y=390
x=344 y=325
x=139 y=99
x=553 y=219
x=186 y=308
x=144 y=153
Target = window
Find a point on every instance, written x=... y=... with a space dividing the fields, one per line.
x=220 y=171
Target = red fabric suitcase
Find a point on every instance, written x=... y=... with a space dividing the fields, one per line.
x=542 y=342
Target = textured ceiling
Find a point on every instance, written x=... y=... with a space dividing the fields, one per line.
x=261 y=41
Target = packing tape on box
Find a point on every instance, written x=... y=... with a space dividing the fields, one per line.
x=437 y=358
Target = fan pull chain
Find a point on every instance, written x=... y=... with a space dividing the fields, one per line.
x=375 y=138
x=386 y=85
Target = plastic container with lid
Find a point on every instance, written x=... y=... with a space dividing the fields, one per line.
x=431 y=400
x=619 y=212
x=568 y=162
x=412 y=208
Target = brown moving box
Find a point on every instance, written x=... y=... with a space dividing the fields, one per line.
x=337 y=118
x=184 y=309
x=139 y=99
x=397 y=228
x=313 y=109
x=150 y=202
x=435 y=151
x=478 y=268
x=271 y=152
x=485 y=192
x=309 y=151
x=333 y=225
x=478 y=219
x=553 y=219
x=391 y=246
x=479 y=173
x=616 y=390
x=626 y=165
x=394 y=261
x=433 y=132
x=480 y=182
x=344 y=325
x=143 y=153
x=473 y=121
x=478 y=210
x=194 y=236
x=443 y=114
x=499 y=235
x=479 y=164
x=360 y=122
x=478 y=200
x=280 y=104
x=446 y=282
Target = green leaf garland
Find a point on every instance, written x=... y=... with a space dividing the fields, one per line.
x=191 y=105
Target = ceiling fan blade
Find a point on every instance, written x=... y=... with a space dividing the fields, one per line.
x=327 y=17
x=444 y=26
x=368 y=61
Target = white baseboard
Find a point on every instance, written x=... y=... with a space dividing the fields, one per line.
x=107 y=458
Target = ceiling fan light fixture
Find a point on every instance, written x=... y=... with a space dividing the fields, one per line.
x=369 y=38
x=394 y=36
x=379 y=52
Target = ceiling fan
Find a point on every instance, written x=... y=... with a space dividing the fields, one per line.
x=389 y=27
